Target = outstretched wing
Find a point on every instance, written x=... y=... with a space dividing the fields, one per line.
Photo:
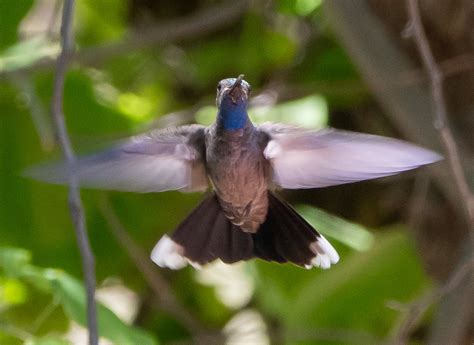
x=303 y=158
x=168 y=159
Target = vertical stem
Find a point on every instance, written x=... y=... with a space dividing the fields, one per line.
x=454 y=315
x=440 y=112
x=75 y=203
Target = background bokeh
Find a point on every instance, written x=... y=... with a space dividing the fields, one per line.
x=143 y=64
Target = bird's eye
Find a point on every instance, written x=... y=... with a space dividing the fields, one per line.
x=219 y=87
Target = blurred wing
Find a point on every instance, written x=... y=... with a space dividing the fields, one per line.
x=169 y=159
x=303 y=158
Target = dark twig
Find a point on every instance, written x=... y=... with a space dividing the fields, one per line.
x=448 y=67
x=440 y=111
x=182 y=29
x=416 y=309
x=157 y=283
x=75 y=203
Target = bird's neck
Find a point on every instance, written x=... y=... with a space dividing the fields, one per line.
x=232 y=117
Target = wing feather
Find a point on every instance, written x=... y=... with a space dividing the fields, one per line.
x=304 y=158
x=169 y=159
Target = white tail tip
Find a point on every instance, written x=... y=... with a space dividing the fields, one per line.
x=168 y=253
x=325 y=254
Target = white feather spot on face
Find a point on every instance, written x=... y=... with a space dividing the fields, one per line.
x=272 y=150
x=168 y=253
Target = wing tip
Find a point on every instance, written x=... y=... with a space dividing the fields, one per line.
x=46 y=173
x=433 y=157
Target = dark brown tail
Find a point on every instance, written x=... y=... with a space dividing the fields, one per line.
x=206 y=235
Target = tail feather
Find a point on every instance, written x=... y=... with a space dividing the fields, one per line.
x=292 y=233
x=264 y=244
x=206 y=235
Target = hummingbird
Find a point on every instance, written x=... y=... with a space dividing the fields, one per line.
x=243 y=165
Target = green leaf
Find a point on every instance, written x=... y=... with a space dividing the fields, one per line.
x=72 y=297
x=278 y=48
x=71 y=294
x=97 y=28
x=26 y=53
x=351 y=234
x=352 y=294
x=11 y=13
x=206 y=115
x=48 y=340
x=262 y=47
x=14 y=260
x=12 y=291
x=85 y=112
x=310 y=112
x=298 y=7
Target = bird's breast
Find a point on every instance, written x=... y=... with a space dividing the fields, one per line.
x=239 y=174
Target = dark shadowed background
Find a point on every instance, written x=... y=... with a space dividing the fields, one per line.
x=141 y=64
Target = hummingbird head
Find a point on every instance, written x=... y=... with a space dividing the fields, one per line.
x=233 y=92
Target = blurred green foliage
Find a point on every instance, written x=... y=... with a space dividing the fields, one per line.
x=66 y=290
x=121 y=97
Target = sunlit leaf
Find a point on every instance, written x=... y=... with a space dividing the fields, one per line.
x=14 y=260
x=298 y=7
x=135 y=107
x=71 y=295
x=311 y=112
x=26 y=53
x=351 y=234
x=84 y=112
x=206 y=115
x=12 y=291
x=48 y=340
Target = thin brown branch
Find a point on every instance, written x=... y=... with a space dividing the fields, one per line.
x=440 y=111
x=157 y=283
x=448 y=67
x=176 y=30
x=75 y=203
x=417 y=309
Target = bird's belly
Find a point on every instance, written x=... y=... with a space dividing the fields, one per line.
x=241 y=186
